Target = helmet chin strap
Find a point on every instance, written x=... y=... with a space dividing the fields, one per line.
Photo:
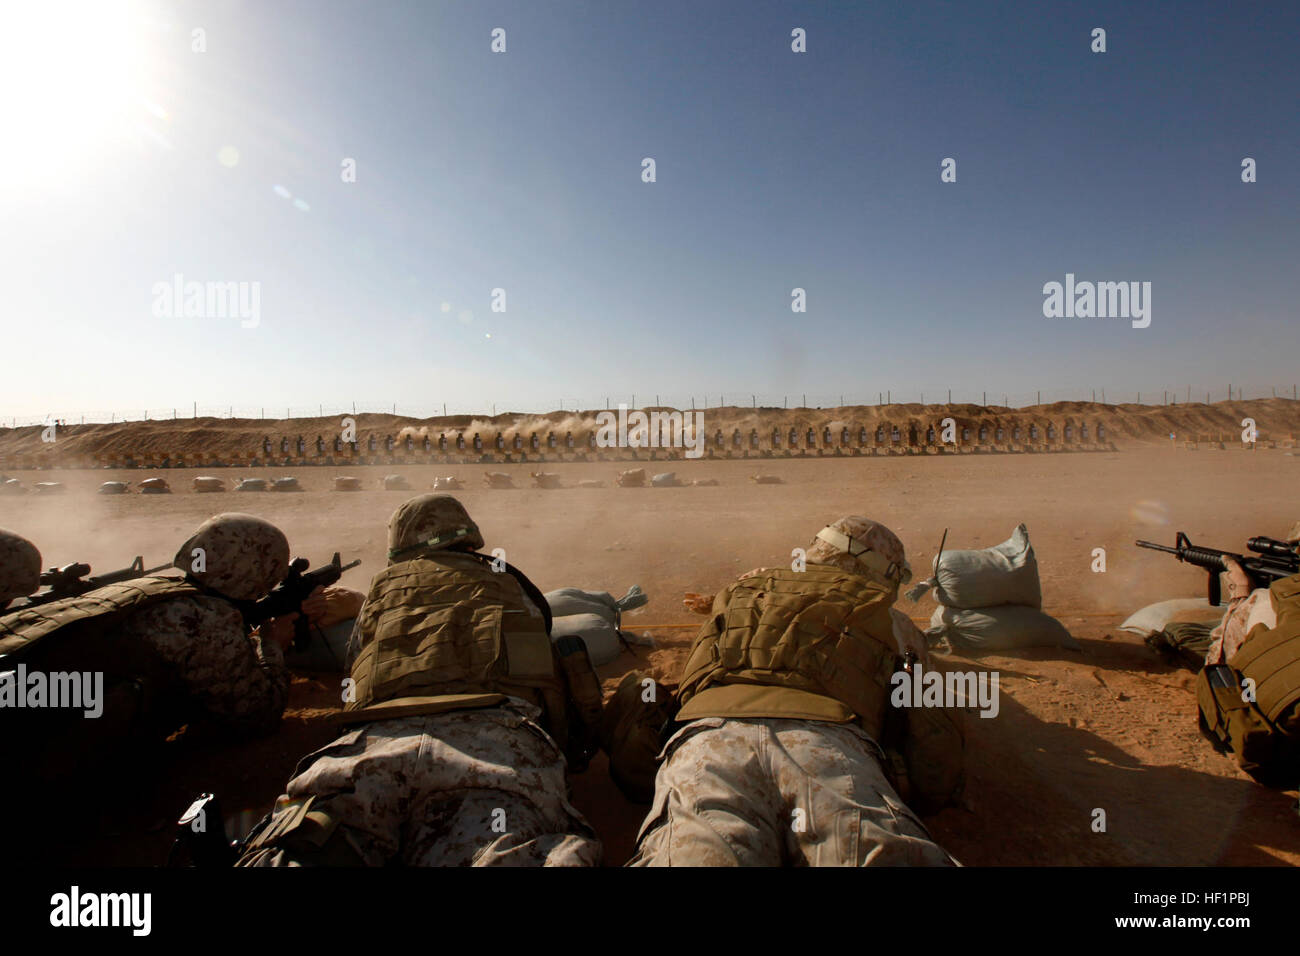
x=861 y=552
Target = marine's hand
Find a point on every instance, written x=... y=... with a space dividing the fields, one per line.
x=278 y=630
x=326 y=606
x=698 y=603
x=1239 y=584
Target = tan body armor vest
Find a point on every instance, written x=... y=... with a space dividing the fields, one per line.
x=74 y=635
x=1264 y=733
x=816 y=644
x=445 y=632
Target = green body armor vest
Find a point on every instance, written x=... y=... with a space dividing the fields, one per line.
x=1264 y=734
x=816 y=644
x=445 y=632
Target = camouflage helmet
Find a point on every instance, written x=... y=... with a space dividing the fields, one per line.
x=863 y=546
x=243 y=557
x=20 y=567
x=432 y=523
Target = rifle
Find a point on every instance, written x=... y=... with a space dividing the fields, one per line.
x=288 y=595
x=1272 y=560
x=71 y=581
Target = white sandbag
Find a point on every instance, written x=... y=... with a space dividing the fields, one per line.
x=113 y=487
x=1154 y=617
x=347 y=483
x=566 y=601
x=1003 y=574
x=667 y=479
x=206 y=483
x=1005 y=628
x=598 y=633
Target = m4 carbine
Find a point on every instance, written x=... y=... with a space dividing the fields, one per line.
x=1272 y=559
x=288 y=595
x=71 y=581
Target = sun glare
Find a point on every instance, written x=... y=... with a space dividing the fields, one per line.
x=71 y=85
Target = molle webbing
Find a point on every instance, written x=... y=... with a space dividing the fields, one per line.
x=821 y=631
x=445 y=625
x=21 y=631
x=1271 y=657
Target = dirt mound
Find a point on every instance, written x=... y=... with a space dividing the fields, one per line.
x=1277 y=419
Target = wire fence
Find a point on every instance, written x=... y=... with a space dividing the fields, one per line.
x=1165 y=395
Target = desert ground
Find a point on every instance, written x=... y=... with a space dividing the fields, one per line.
x=1111 y=727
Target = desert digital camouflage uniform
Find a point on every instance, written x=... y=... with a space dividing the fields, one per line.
x=20 y=567
x=209 y=667
x=449 y=765
x=1244 y=612
x=770 y=768
x=238 y=682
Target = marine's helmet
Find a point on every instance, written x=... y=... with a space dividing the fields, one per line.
x=20 y=567
x=431 y=523
x=862 y=546
x=241 y=556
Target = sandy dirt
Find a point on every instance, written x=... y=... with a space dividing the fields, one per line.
x=1112 y=727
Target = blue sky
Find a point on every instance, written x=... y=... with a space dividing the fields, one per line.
x=522 y=171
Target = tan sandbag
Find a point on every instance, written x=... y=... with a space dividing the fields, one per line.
x=590 y=483
x=766 y=480
x=155 y=486
x=395 y=483
x=251 y=484
x=543 y=479
x=498 y=479
x=114 y=487
x=347 y=483
x=632 y=478
x=286 y=484
x=50 y=488
x=448 y=483
x=207 y=483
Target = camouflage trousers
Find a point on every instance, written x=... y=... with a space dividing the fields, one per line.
x=467 y=788
x=778 y=792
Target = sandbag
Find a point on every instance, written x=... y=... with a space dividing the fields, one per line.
x=498 y=479
x=114 y=487
x=155 y=486
x=566 y=601
x=1003 y=574
x=395 y=483
x=1005 y=628
x=1156 y=617
x=666 y=480
x=765 y=479
x=544 y=479
x=49 y=488
x=286 y=484
x=599 y=634
x=590 y=483
x=208 y=484
x=448 y=483
x=347 y=483
x=12 y=486
x=251 y=484
x=632 y=478
x=705 y=482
